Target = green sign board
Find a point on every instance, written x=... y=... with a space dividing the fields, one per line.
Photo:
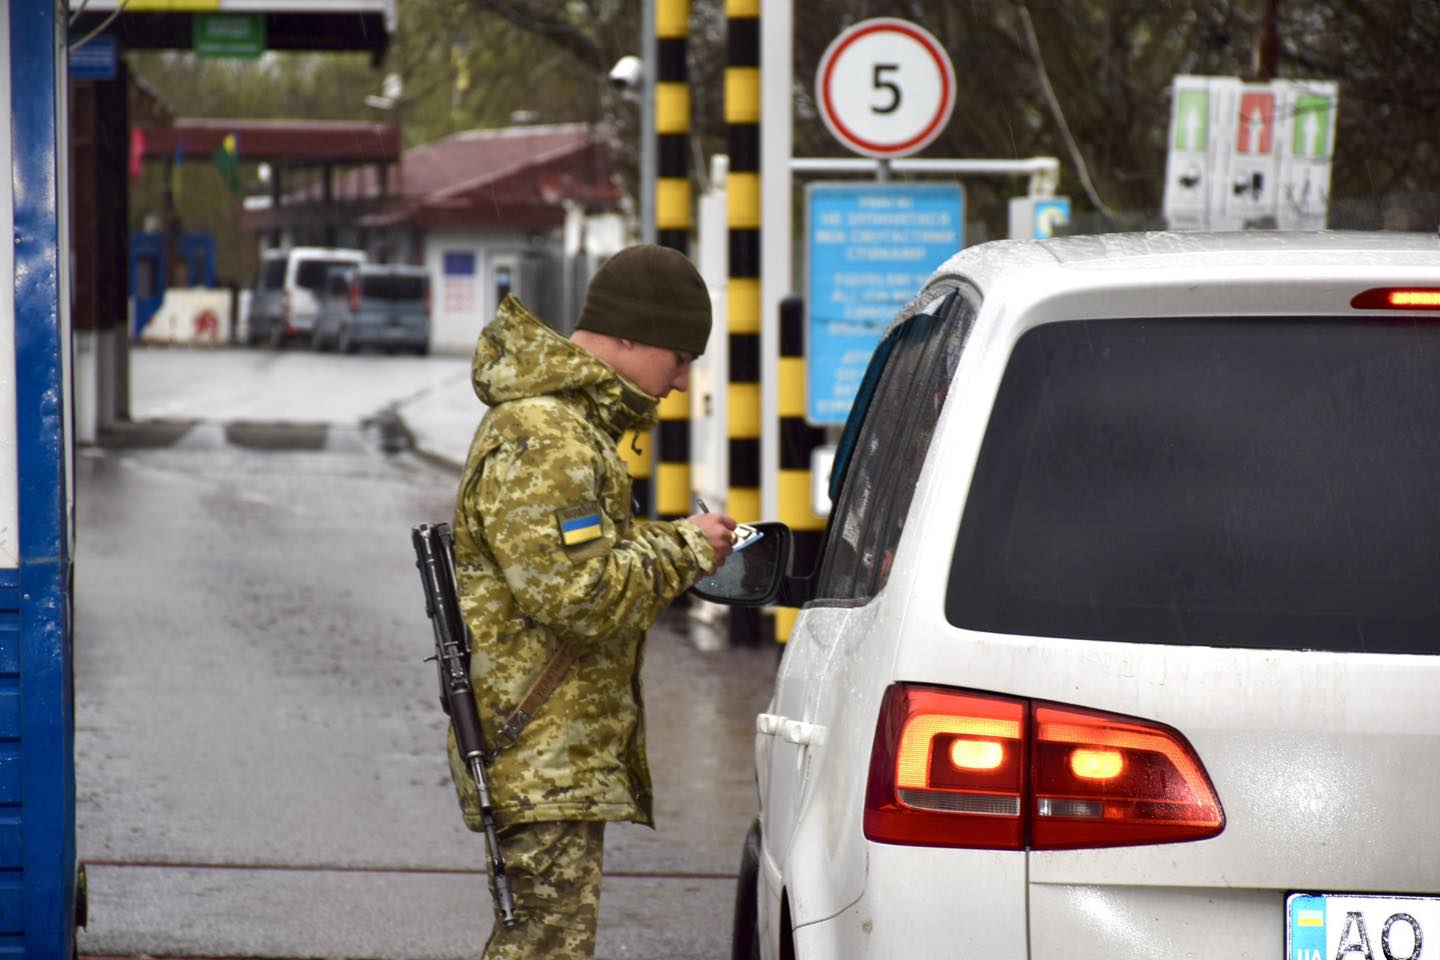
x=229 y=34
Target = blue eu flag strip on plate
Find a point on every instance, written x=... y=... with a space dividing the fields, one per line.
x=1306 y=927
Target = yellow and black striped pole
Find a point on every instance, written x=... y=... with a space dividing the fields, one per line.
x=672 y=222
x=672 y=125
x=742 y=211
x=798 y=441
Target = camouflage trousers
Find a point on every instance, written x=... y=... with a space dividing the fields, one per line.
x=554 y=871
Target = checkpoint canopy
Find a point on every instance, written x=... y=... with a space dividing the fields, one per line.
x=243 y=28
x=871 y=247
x=1249 y=154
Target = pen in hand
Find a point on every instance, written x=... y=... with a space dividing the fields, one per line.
x=705 y=508
x=743 y=533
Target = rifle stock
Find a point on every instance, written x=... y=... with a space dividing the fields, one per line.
x=434 y=556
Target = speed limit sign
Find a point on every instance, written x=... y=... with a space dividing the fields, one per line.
x=885 y=88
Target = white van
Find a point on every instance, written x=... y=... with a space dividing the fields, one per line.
x=1125 y=636
x=289 y=290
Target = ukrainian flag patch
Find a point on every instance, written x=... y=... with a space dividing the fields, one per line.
x=579 y=524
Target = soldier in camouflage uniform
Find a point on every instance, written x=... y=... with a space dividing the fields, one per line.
x=549 y=554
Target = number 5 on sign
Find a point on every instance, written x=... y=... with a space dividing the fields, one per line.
x=890 y=85
x=885 y=87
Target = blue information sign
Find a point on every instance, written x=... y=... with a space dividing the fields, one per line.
x=872 y=246
x=95 y=60
x=1051 y=214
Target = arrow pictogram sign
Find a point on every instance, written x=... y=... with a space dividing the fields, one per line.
x=1255 y=126
x=1312 y=126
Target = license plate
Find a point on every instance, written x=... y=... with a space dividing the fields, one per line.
x=1324 y=926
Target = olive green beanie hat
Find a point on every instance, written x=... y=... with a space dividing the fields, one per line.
x=652 y=295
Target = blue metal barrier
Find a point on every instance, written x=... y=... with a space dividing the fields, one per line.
x=37 y=721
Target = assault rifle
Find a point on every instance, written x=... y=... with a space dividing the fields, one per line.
x=434 y=555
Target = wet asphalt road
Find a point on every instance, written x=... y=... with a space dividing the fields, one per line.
x=259 y=748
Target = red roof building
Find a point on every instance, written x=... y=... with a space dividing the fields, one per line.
x=524 y=210
x=520 y=177
x=517 y=178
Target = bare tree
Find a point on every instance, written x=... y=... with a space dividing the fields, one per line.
x=1090 y=84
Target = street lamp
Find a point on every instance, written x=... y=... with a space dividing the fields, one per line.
x=635 y=83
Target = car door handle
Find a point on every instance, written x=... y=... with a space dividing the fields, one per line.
x=798 y=731
x=768 y=724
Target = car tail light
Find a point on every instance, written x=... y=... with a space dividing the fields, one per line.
x=355 y=297
x=1100 y=780
x=947 y=763
x=959 y=769
x=1398 y=298
x=285 y=305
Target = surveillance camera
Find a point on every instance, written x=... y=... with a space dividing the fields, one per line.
x=627 y=74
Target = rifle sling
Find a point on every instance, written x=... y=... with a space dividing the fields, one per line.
x=539 y=692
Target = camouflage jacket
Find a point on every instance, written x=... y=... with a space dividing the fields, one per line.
x=547 y=550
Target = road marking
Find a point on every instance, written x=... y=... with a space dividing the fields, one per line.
x=353 y=868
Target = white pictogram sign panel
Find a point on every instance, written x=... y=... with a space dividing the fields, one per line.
x=1305 y=167
x=1251 y=165
x=885 y=88
x=1187 y=173
x=1249 y=155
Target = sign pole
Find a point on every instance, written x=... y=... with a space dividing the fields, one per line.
x=777 y=71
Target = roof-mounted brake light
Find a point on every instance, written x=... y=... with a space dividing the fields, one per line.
x=1398 y=298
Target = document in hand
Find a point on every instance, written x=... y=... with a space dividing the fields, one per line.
x=745 y=535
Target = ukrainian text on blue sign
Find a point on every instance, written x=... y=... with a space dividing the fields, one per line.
x=871 y=248
x=95 y=59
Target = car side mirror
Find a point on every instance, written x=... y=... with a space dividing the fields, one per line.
x=751 y=577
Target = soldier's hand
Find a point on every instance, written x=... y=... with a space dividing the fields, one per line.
x=719 y=531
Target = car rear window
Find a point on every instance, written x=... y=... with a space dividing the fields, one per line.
x=1238 y=483
x=272 y=274
x=393 y=288
x=310 y=274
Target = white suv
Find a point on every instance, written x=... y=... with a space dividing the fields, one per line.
x=1125 y=639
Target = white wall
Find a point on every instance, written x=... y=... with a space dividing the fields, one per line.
x=196 y=315
x=459 y=304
